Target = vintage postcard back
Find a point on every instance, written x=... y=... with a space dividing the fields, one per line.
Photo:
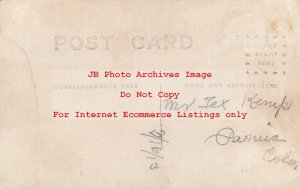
x=138 y=94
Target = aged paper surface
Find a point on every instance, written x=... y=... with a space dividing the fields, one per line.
x=149 y=94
